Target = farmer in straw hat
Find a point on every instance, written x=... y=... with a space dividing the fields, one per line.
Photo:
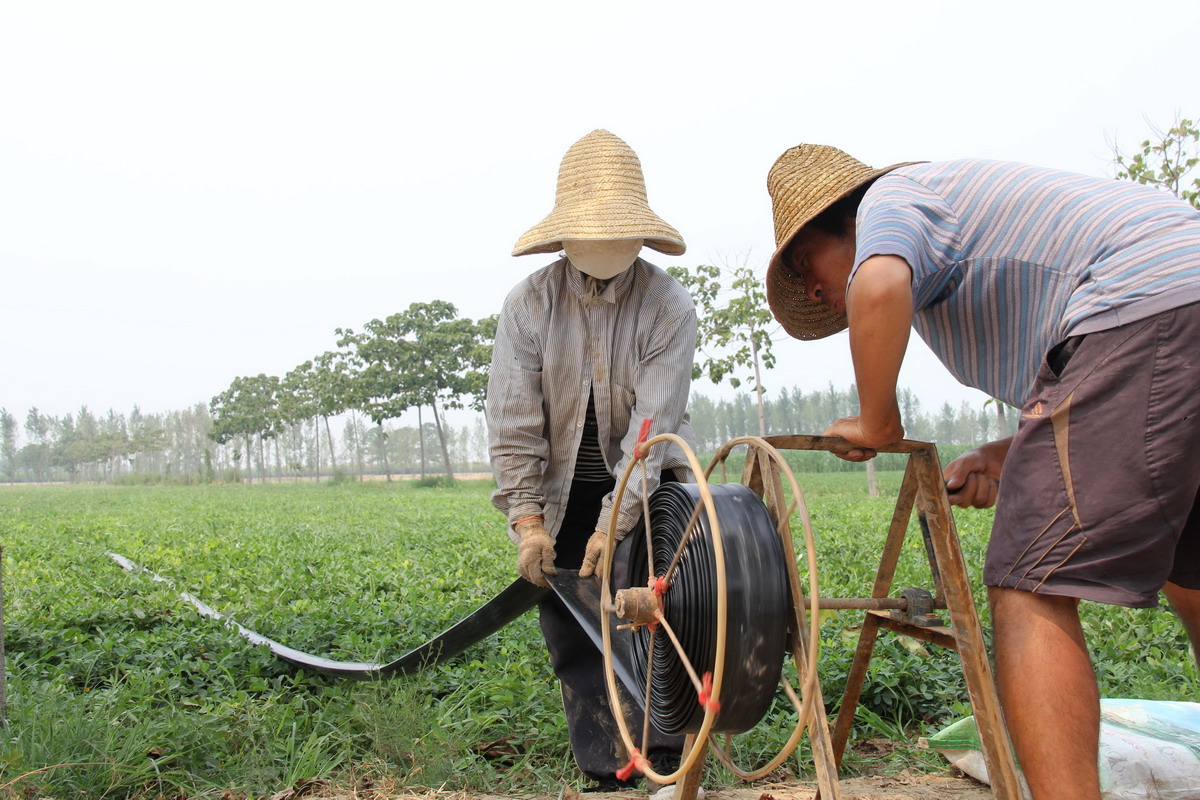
x=586 y=348
x=1076 y=299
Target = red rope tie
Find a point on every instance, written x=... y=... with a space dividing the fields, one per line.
x=706 y=700
x=659 y=587
x=636 y=764
x=643 y=435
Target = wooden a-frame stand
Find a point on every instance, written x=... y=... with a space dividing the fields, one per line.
x=922 y=488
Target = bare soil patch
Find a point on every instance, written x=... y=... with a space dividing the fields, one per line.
x=895 y=787
x=904 y=786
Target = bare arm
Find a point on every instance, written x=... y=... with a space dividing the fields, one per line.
x=879 y=308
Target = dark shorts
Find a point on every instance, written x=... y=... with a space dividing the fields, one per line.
x=1098 y=497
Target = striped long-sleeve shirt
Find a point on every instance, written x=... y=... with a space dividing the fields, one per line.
x=630 y=346
x=1010 y=259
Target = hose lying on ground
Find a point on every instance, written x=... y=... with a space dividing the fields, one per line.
x=512 y=602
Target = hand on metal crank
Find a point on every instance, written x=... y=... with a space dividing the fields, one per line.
x=593 y=554
x=535 y=553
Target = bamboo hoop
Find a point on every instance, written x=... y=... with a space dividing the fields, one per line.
x=802 y=702
x=804 y=707
x=692 y=755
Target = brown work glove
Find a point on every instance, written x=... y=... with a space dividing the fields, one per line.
x=535 y=554
x=593 y=554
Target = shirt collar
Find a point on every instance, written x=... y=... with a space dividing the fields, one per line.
x=613 y=291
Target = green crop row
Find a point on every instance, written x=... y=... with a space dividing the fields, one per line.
x=116 y=688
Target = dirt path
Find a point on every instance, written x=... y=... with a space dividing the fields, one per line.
x=904 y=786
x=895 y=787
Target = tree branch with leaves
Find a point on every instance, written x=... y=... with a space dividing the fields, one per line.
x=733 y=335
x=1166 y=160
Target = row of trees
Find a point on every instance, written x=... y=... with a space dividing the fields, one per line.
x=86 y=446
x=183 y=447
x=797 y=411
x=425 y=357
x=179 y=447
x=428 y=358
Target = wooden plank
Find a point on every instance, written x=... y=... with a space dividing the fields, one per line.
x=752 y=473
x=940 y=636
x=689 y=785
x=964 y=623
x=836 y=444
x=923 y=486
x=855 y=679
x=889 y=557
x=825 y=762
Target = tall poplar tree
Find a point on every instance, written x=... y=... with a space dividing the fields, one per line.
x=8 y=445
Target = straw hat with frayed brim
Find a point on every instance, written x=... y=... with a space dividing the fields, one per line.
x=806 y=180
x=601 y=195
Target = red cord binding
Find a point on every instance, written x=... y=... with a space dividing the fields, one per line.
x=643 y=435
x=659 y=587
x=706 y=700
x=636 y=764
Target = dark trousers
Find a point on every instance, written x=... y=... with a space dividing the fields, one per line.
x=595 y=737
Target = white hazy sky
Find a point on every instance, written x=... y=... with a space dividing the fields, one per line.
x=195 y=191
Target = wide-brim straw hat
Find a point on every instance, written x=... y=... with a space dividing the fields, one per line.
x=804 y=181
x=601 y=195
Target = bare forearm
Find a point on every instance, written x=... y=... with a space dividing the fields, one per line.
x=879 y=305
x=998 y=451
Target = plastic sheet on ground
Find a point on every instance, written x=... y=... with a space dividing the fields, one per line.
x=1149 y=749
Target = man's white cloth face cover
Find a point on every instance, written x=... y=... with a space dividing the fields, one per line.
x=602 y=258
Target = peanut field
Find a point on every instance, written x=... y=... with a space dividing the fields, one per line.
x=117 y=688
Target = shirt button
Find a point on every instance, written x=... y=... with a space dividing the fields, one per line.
x=578 y=424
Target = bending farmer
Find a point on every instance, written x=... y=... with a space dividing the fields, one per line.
x=586 y=348
x=1076 y=299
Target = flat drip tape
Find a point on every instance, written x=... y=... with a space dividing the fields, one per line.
x=512 y=602
x=756 y=612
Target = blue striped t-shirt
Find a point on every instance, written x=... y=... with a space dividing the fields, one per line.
x=1010 y=259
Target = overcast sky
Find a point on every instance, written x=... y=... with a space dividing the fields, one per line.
x=195 y=191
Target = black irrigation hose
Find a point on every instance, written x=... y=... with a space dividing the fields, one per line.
x=580 y=595
x=757 y=606
x=517 y=598
x=757 y=612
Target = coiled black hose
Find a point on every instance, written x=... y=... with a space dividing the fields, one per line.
x=757 y=606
